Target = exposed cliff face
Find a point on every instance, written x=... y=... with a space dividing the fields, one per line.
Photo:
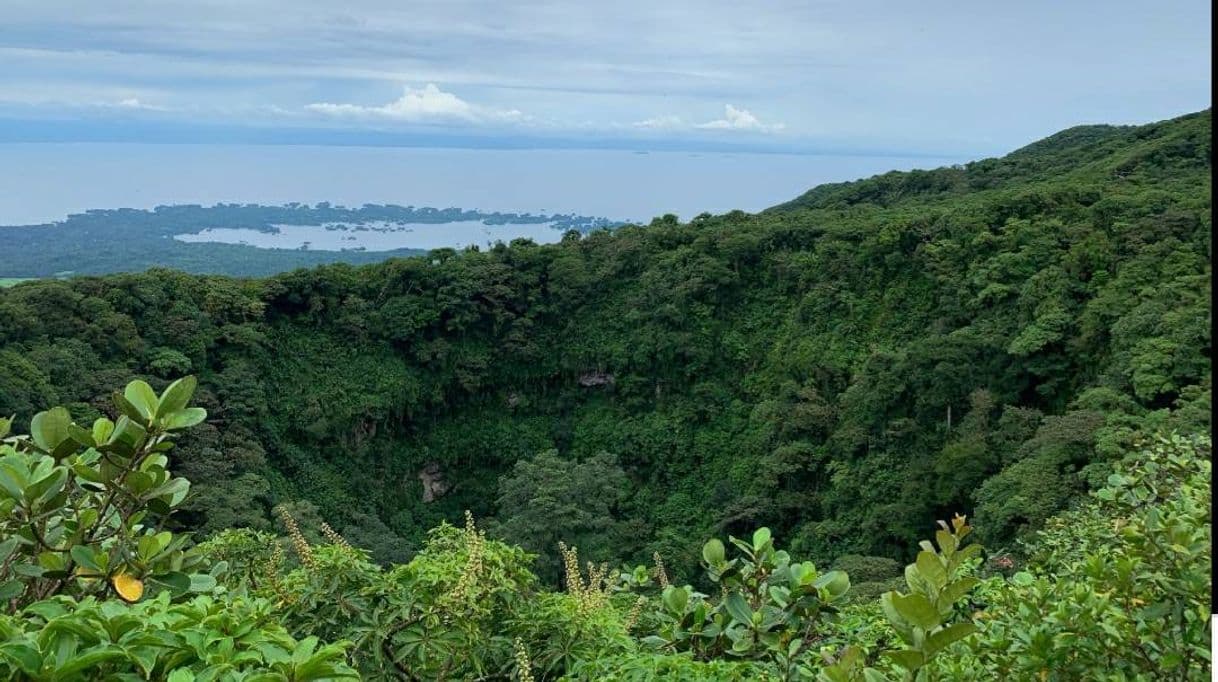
x=595 y=378
x=434 y=485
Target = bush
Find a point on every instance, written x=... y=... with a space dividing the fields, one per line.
x=1121 y=585
x=203 y=638
x=96 y=588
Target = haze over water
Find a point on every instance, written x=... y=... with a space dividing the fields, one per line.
x=45 y=182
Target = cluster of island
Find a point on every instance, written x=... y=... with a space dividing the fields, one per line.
x=254 y=239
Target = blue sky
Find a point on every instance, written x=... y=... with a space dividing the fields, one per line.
x=928 y=77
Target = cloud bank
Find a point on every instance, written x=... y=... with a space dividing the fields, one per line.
x=878 y=75
x=661 y=123
x=428 y=104
x=740 y=119
x=734 y=119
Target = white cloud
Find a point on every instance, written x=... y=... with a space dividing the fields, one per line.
x=81 y=96
x=740 y=119
x=661 y=123
x=426 y=104
x=733 y=119
x=857 y=65
x=135 y=103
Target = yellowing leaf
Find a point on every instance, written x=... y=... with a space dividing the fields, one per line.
x=128 y=587
x=86 y=575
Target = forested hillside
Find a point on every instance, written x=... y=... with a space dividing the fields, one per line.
x=841 y=371
x=845 y=369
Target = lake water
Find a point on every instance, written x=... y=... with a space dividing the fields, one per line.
x=379 y=236
x=45 y=182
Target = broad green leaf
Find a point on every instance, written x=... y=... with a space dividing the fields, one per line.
x=87 y=518
x=186 y=418
x=11 y=589
x=738 y=608
x=25 y=656
x=139 y=481
x=272 y=653
x=654 y=641
x=129 y=433
x=88 y=473
x=931 y=569
x=873 y=675
x=917 y=610
x=898 y=622
x=46 y=487
x=914 y=579
x=741 y=545
x=147 y=547
x=12 y=481
x=143 y=398
x=177 y=583
x=713 y=552
x=947 y=636
x=51 y=428
x=89 y=660
x=801 y=573
x=906 y=658
x=48 y=610
x=176 y=396
x=947 y=542
x=844 y=669
x=1022 y=579
x=320 y=665
x=954 y=591
x=84 y=556
x=102 y=428
x=174 y=489
x=81 y=435
x=761 y=537
x=675 y=598
x=966 y=553
x=84 y=631
x=202 y=582
x=304 y=650
x=127 y=410
x=7 y=547
x=836 y=583
x=28 y=570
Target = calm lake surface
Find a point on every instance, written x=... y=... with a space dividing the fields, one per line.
x=45 y=182
x=379 y=236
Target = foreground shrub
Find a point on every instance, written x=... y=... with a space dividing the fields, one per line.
x=95 y=588
x=203 y=638
x=1119 y=588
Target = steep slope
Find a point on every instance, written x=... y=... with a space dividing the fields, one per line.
x=844 y=368
x=1087 y=154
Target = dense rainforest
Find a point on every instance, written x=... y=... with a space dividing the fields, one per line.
x=1023 y=342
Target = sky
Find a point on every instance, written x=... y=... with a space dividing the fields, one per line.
x=930 y=77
